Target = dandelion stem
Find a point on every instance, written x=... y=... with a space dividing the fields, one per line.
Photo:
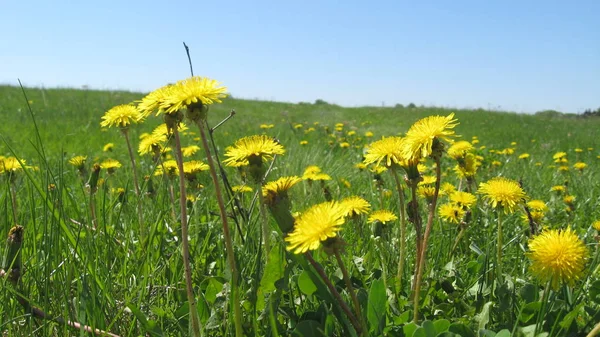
x=228 y=243
x=423 y=253
x=348 y=282
x=334 y=292
x=499 y=248
x=542 y=312
x=184 y=238
x=93 y=210
x=402 y=238
x=135 y=183
x=13 y=195
x=416 y=219
x=265 y=223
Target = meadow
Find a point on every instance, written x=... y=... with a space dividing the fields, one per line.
x=96 y=252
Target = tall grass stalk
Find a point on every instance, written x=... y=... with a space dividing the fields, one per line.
x=402 y=238
x=428 y=227
x=235 y=302
x=196 y=329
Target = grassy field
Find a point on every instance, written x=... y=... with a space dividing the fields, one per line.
x=116 y=273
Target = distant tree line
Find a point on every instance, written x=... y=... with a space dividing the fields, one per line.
x=591 y=113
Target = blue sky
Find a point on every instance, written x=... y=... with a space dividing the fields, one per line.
x=521 y=56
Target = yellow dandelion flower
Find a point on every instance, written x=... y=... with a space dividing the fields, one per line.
x=344 y=145
x=110 y=165
x=108 y=147
x=313 y=172
x=463 y=199
x=580 y=166
x=318 y=176
x=339 y=125
x=451 y=213
x=163 y=130
x=267 y=126
x=378 y=169
x=241 y=189
x=11 y=164
x=152 y=143
x=447 y=188
x=426 y=192
x=189 y=151
x=524 y=156
x=558 y=156
x=578 y=150
x=569 y=199
x=351 y=133
x=78 y=161
x=275 y=190
x=536 y=216
x=255 y=149
x=459 y=149
x=168 y=168
x=467 y=167
x=355 y=206
x=428 y=180
x=382 y=215
x=121 y=116
x=557 y=256
x=194 y=166
x=368 y=134
x=502 y=193
x=153 y=101
x=496 y=163
x=360 y=166
x=387 y=149
x=314 y=226
x=303 y=142
x=596 y=225
x=298 y=126
x=563 y=168
x=558 y=189
x=537 y=205
x=191 y=91
x=420 y=138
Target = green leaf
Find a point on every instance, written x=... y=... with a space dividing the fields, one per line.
x=441 y=325
x=150 y=327
x=461 y=329
x=409 y=329
x=213 y=287
x=429 y=328
x=483 y=317
x=503 y=333
x=308 y=328
x=528 y=311
x=570 y=317
x=402 y=319
x=203 y=308
x=273 y=271
x=420 y=332
x=377 y=307
x=529 y=293
x=447 y=334
x=306 y=285
x=595 y=292
x=486 y=333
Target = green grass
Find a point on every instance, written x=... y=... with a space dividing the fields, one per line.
x=109 y=279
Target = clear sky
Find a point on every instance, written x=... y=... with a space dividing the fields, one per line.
x=521 y=56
